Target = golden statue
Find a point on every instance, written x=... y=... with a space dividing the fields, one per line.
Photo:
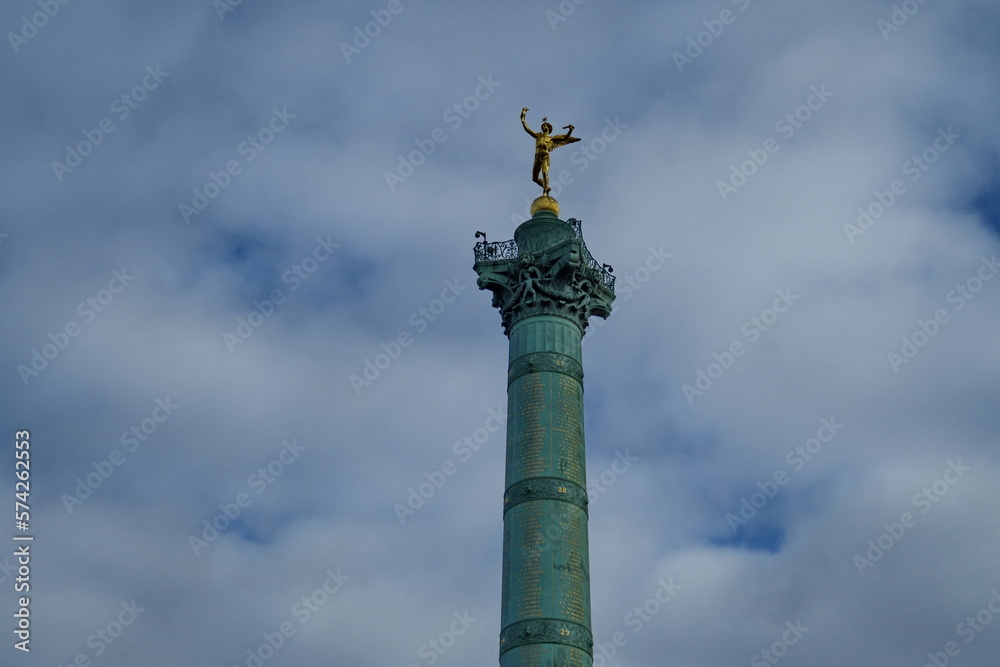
x=545 y=143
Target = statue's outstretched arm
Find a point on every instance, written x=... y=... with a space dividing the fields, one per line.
x=523 y=123
x=563 y=139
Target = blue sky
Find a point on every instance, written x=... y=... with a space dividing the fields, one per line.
x=215 y=215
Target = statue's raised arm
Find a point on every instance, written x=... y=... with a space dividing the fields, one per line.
x=563 y=139
x=527 y=129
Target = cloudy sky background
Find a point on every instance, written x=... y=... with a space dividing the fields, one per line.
x=678 y=128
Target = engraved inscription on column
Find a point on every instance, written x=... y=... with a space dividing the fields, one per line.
x=528 y=574
x=567 y=429
x=571 y=574
x=508 y=553
x=531 y=654
x=529 y=431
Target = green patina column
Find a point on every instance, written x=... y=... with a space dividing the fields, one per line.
x=546 y=286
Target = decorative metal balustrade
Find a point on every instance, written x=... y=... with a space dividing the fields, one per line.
x=496 y=251
x=606 y=277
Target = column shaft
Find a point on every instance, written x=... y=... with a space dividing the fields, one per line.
x=546 y=571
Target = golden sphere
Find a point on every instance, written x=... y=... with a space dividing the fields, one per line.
x=545 y=203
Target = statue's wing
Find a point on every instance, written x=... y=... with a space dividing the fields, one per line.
x=562 y=139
